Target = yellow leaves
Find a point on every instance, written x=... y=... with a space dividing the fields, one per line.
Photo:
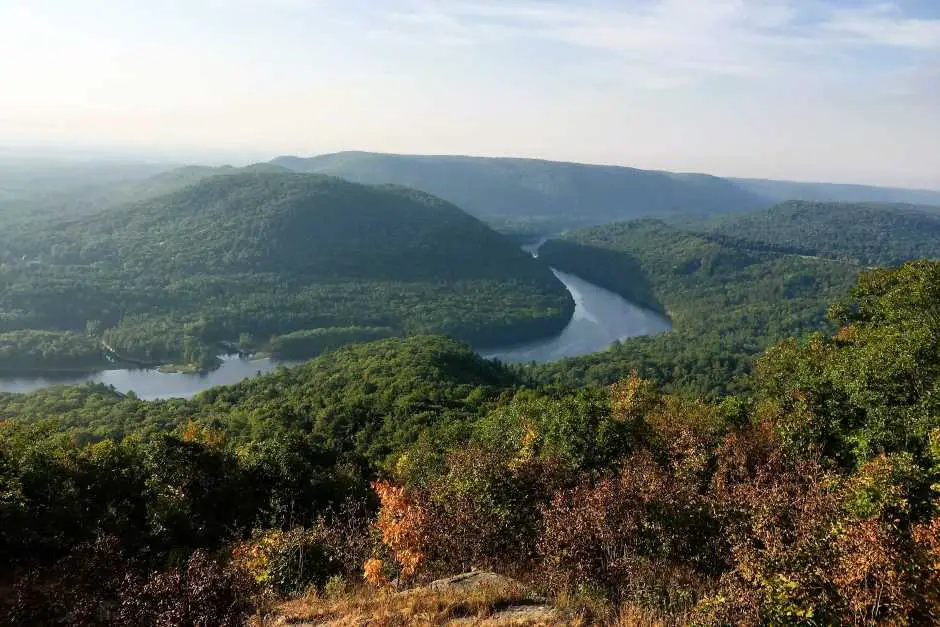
x=880 y=486
x=252 y=556
x=402 y=465
x=527 y=449
x=531 y=435
x=632 y=398
x=263 y=556
x=934 y=445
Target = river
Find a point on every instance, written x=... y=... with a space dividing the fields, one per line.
x=600 y=319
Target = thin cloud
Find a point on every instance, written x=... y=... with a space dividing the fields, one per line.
x=681 y=40
x=886 y=25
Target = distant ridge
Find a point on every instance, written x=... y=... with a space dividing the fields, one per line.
x=864 y=233
x=780 y=191
x=571 y=194
x=526 y=189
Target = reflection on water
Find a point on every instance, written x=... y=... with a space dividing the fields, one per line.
x=600 y=319
x=152 y=384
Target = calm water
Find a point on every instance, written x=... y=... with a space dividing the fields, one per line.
x=600 y=319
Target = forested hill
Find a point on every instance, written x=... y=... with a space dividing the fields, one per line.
x=287 y=262
x=780 y=191
x=371 y=397
x=529 y=189
x=310 y=226
x=870 y=234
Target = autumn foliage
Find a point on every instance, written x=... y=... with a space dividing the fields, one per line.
x=403 y=525
x=731 y=525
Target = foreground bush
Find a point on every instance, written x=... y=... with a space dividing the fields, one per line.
x=97 y=584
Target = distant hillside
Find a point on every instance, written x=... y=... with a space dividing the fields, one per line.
x=31 y=193
x=566 y=193
x=291 y=263
x=779 y=191
x=174 y=180
x=869 y=234
x=520 y=195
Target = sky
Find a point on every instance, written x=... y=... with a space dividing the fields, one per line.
x=820 y=90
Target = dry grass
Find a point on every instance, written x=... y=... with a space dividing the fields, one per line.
x=486 y=605
x=631 y=616
x=595 y=611
x=496 y=606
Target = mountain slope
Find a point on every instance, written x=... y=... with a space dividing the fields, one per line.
x=780 y=191
x=311 y=226
x=530 y=189
x=288 y=262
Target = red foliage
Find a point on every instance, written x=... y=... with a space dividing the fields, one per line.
x=643 y=534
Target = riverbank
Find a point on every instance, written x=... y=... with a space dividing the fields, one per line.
x=600 y=318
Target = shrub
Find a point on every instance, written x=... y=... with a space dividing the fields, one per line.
x=202 y=593
x=640 y=535
x=96 y=584
x=289 y=562
x=483 y=511
x=285 y=562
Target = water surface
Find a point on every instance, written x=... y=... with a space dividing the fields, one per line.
x=600 y=318
x=152 y=384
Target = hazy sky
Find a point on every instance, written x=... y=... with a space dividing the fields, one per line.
x=843 y=90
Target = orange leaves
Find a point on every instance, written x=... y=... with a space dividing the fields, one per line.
x=401 y=522
x=195 y=432
x=372 y=571
x=868 y=571
x=927 y=537
x=846 y=334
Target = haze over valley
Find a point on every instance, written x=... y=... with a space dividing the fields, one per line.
x=470 y=312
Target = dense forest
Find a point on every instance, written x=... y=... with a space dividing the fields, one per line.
x=289 y=263
x=809 y=500
x=867 y=234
